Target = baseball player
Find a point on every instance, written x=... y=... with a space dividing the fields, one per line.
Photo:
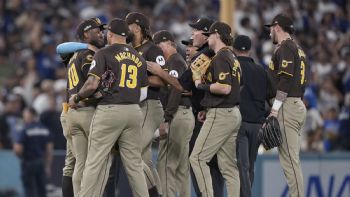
x=254 y=92
x=223 y=118
x=202 y=55
x=72 y=47
x=201 y=41
x=118 y=116
x=288 y=71
x=152 y=108
x=79 y=118
x=69 y=162
x=173 y=163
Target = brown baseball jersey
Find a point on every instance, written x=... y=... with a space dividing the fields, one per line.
x=152 y=53
x=224 y=69
x=129 y=68
x=77 y=69
x=288 y=69
x=175 y=66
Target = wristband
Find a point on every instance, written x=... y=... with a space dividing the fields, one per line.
x=205 y=87
x=277 y=105
x=156 y=134
x=77 y=98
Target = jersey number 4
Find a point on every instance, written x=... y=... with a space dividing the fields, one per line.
x=73 y=78
x=131 y=71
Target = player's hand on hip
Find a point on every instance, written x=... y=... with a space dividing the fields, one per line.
x=72 y=103
x=163 y=130
x=273 y=113
x=201 y=116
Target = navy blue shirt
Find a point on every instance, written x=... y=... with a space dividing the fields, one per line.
x=34 y=138
x=344 y=128
x=254 y=91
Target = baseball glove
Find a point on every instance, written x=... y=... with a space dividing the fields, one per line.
x=199 y=66
x=270 y=134
x=107 y=80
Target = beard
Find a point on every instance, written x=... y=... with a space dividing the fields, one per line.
x=130 y=37
x=99 y=43
x=274 y=40
x=273 y=37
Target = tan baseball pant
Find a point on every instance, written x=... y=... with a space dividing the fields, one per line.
x=69 y=161
x=111 y=124
x=79 y=121
x=173 y=162
x=152 y=111
x=291 y=117
x=217 y=136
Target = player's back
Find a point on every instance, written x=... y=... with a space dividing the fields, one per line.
x=130 y=72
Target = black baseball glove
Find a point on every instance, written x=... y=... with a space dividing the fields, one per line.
x=105 y=87
x=270 y=134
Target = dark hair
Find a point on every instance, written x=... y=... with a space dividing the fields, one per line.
x=146 y=33
x=226 y=39
x=32 y=111
x=288 y=30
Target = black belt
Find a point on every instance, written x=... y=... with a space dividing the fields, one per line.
x=186 y=101
x=185 y=106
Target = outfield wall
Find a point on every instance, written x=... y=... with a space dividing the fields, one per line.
x=325 y=175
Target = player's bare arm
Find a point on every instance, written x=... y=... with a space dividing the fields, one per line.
x=155 y=69
x=87 y=90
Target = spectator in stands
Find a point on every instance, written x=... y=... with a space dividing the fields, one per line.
x=50 y=118
x=331 y=127
x=344 y=125
x=313 y=127
x=10 y=121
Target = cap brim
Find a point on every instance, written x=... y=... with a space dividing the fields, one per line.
x=185 y=42
x=268 y=25
x=207 y=33
x=103 y=26
x=193 y=25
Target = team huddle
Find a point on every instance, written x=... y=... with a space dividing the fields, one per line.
x=206 y=109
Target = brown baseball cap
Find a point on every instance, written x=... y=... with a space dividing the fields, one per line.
x=220 y=28
x=89 y=24
x=284 y=21
x=202 y=24
x=137 y=18
x=118 y=26
x=242 y=43
x=188 y=42
x=162 y=36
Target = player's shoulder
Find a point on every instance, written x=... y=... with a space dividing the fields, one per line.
x=225 y=54
x=86 y=54
x=288 y=45
x=153 y=48
x=177 y=57
x=103 y=50
x=177 y=60
x=226 y=51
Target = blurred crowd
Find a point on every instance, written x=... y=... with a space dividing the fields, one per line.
x=31 y=73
